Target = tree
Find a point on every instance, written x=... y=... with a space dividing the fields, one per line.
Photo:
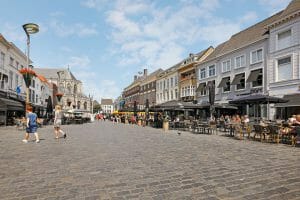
x=97 y=107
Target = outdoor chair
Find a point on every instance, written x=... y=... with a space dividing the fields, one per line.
x=20 y=124
x=297 y=136
x=242 y=130
x=257 y=131
x=212 y=127
x=275 y=133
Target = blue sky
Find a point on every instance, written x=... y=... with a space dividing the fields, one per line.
x=106 y=42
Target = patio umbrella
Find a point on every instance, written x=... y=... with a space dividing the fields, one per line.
x=211 y=91
x=49 y=105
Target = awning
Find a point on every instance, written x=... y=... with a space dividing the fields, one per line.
x=237 y=79
x=254 y=75
x=293 y=101
x=223 y=82
x=257 y=99
x=200 y=87
x=11 y=105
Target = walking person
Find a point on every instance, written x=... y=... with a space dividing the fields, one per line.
x=31 y=125
x=58 y=121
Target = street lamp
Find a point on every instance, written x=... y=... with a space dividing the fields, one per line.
x=29 y=28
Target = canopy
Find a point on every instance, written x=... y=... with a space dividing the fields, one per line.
x=171 y=105
x=223 y=82
x=293 y=101
x=237 y=79
x=257 y=99
x=254 y=75
x=9 y=104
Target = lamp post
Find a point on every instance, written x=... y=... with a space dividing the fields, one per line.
x=29 y=28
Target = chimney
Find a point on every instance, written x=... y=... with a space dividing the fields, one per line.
x=135 y=77
x=145 y=72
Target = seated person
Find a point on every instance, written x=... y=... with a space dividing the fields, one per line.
x=292 y=119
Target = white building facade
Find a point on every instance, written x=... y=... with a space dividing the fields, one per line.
x=284 y=56
x=237 y=67
x=167 y=85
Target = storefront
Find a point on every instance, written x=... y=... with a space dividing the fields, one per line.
x=10 y=109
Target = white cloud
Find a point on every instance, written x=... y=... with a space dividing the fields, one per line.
x=158 y=38
x=78 y=62
x=13 y=33
x=101 y=88
x=274 y=6
x=57 y=14
x=66 y=49
x=79 y=29
x=97 y=4
x=249 y=18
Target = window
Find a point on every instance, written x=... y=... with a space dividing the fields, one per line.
x=240 y=61
x=33 y=96
x=258 y=82
x=226 y=66
x=176 y=94
x=202 y=73
x=284 y=39
x=11 y=61
x=17 y=80
x=10 y=83
x=256 y=56
x=284 y=69
x=172 y=96
x=212 y=70
x=17 y=64
x=227 y=86
x=22 y=66
x=176 y=80
x=167 y=83
x=36 y=97
x=241 y=84
x=2 y=60
x=172 y=82
x=203 y=91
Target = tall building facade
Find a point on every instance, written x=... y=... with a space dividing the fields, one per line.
x=71 y=88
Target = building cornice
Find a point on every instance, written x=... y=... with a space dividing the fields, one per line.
x=283 y=20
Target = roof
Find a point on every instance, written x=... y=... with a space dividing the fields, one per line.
x=51 y=73
x=42 y=78
x=293 y=6
x=243 y=38
x=106 y=102
x=152 y=75
x=291 y=11
x=194 y=58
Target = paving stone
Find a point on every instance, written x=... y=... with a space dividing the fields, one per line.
x=117 y=161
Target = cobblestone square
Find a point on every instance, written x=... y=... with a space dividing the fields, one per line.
x=103 y=160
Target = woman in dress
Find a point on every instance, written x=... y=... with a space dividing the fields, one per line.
x=58 y=121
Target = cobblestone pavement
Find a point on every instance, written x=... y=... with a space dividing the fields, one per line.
x=117 y=161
